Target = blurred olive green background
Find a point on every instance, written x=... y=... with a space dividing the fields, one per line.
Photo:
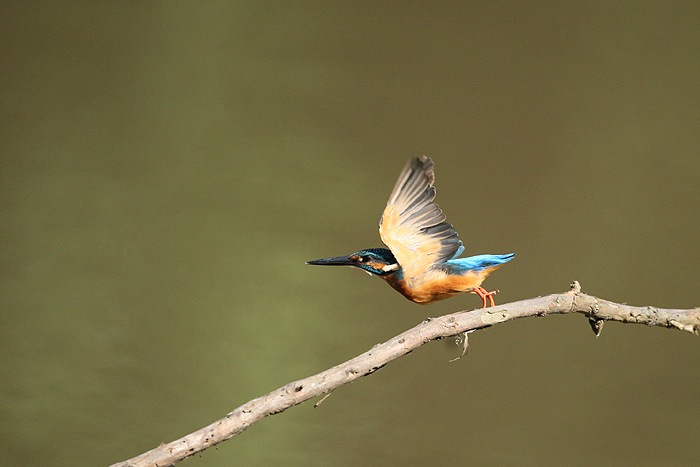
x=168 y=167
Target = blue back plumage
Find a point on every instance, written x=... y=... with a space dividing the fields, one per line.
x=476 y=263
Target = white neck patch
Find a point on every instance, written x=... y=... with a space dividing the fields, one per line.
x=390 y=267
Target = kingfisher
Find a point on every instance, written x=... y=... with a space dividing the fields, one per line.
x=422 y=261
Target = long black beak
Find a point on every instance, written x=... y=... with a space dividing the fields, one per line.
x=335 y=261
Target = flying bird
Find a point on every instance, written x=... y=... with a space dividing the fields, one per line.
x=422 y=261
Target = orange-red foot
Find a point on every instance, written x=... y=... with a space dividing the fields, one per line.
x=484 y=294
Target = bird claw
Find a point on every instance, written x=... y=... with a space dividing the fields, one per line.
x=484 y=294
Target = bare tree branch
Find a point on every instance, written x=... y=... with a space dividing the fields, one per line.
x=595 y=309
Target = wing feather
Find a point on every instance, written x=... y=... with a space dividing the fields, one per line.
x=413 y=226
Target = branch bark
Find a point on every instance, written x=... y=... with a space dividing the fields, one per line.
x=595 y=309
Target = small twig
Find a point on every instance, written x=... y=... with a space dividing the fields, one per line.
x=465 y=346
x=573 y=301
x=596 y=325
x=322 y=399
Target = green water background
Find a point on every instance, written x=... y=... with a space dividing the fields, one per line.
x=168 y=167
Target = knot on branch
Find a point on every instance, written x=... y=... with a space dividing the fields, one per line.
x=575 y=288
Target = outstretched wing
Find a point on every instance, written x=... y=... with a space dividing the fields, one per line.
x=413 y=226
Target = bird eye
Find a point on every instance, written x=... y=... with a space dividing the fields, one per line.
x=365 y=259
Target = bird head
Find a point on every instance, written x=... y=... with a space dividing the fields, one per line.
x=377 y=261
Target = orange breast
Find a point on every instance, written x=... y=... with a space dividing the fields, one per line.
x=438 y=285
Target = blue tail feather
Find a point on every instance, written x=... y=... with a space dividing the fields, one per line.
x=478 y=262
